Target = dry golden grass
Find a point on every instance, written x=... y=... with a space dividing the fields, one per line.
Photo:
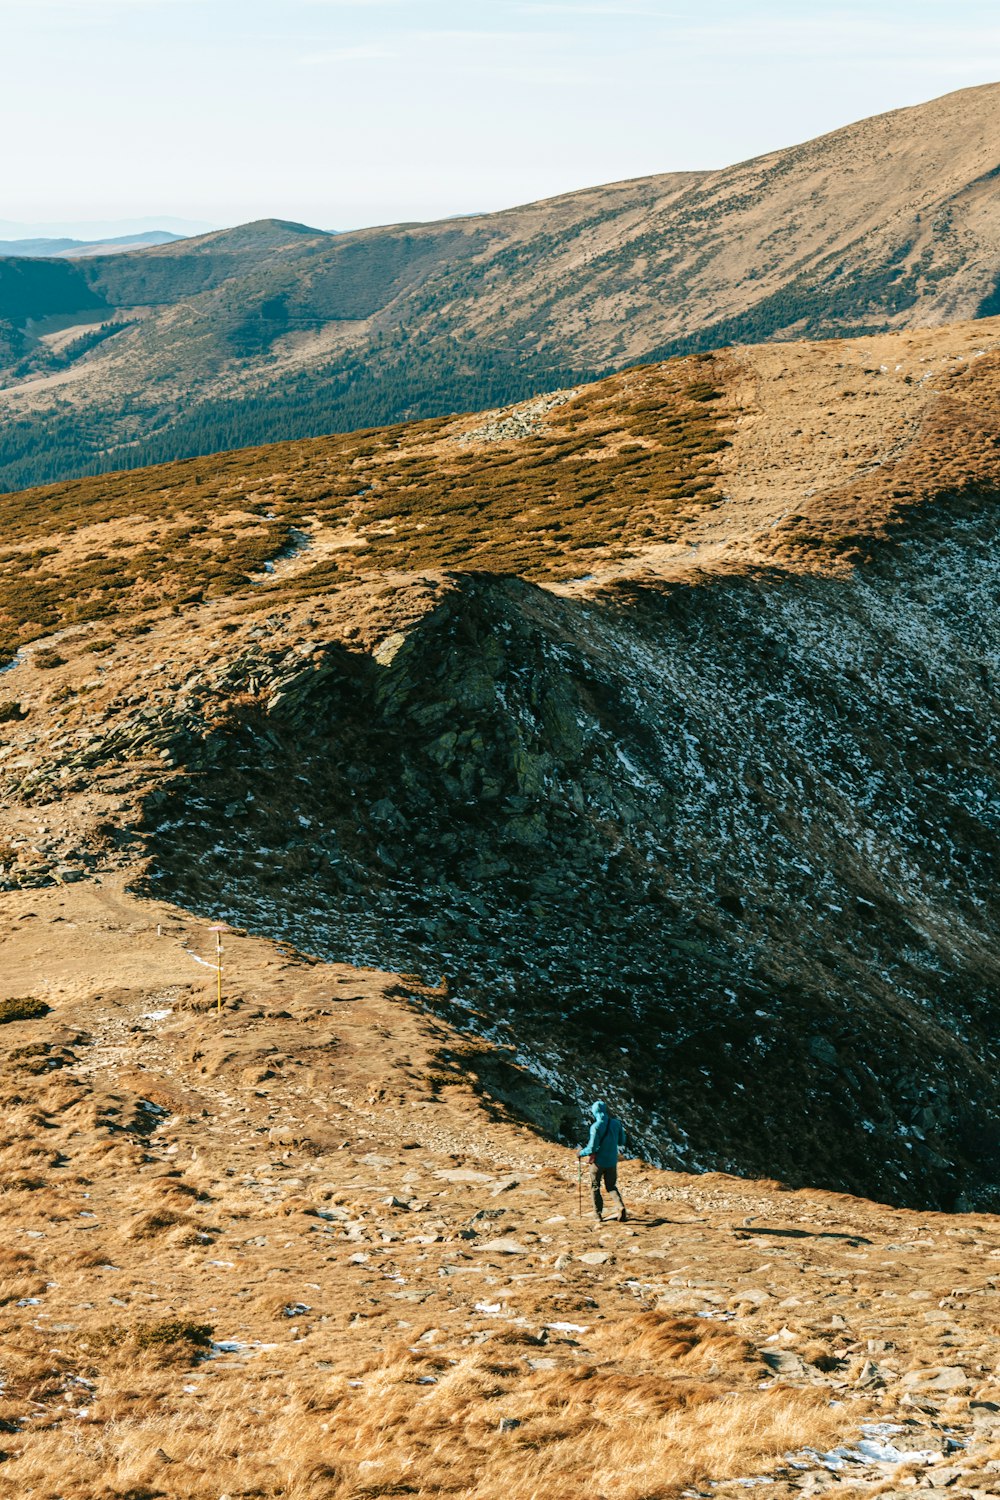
x=19 y=1275
x=816 y=455
x=337 y=1231
x=288 y=1122
x=627 y=1439
x=705 y=462
x=953 y=455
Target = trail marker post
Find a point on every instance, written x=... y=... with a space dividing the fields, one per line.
x=218 y=928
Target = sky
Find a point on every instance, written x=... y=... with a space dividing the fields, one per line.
x=343 y=113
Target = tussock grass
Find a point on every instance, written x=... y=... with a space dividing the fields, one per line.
x=658 y=1337
x=156 y=1221
x=24 y=1009
x=170 y=1338
x=19 y=1276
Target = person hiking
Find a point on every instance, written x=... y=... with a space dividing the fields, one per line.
x=607 y=1138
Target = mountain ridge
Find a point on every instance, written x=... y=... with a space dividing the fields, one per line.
x=63 y=248
x=272 y=332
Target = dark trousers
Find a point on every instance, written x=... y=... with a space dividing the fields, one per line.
x=610 y=1176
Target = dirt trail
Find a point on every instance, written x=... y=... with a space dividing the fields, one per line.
x=807 y=421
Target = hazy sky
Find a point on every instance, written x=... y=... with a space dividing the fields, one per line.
x=348 y=112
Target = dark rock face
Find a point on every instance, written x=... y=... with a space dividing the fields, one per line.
x=725 y=854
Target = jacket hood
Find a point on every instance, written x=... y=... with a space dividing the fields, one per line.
x=599 y=1110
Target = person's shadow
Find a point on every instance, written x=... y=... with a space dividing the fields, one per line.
x=801 y=1234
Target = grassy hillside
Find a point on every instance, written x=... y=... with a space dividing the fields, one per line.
x=275 y=330
x=618 y=466
x=314 y=1249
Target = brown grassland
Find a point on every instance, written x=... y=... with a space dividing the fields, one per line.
x=790 y=454
x=297 y=1250
x=616 y=468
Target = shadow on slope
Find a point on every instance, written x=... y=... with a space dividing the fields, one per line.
x=722 y=852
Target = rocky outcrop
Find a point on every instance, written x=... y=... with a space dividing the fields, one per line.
x=516 y=421
x=724 y=851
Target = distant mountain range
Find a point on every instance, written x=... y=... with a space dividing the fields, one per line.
x=92 y=230
x=74 y=249
x=277 y=330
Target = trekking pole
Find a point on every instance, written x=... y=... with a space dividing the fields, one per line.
x=579 y=1187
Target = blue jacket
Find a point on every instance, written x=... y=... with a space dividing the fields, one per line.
x=607 y=1137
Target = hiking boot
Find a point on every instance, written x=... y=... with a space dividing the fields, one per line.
x=623 y=1217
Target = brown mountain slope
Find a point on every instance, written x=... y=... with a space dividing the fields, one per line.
x=275 y=330
x=657 y=716
x=891 y=221
x=308 y=1249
